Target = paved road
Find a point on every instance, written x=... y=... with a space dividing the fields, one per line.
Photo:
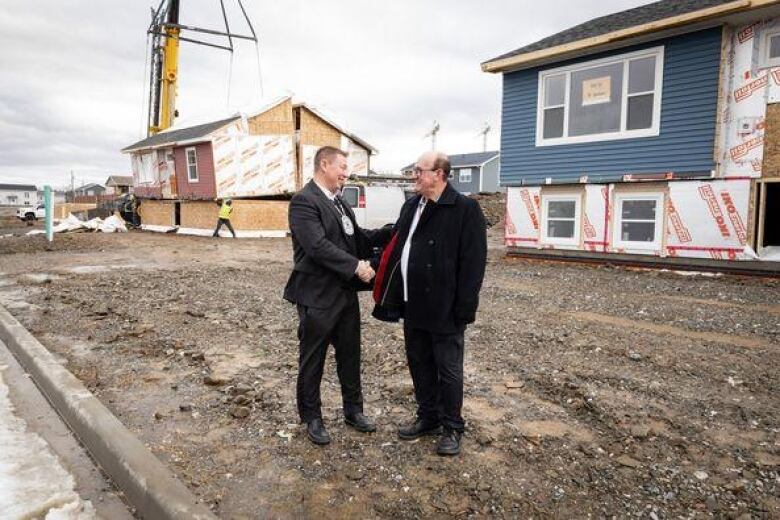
x=44 y=472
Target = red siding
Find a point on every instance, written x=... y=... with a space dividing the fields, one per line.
x=148 y=192
x=205 y=187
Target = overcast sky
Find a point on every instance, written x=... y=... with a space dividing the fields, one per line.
x=72 y=89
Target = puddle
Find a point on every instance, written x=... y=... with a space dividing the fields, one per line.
x=38 y=278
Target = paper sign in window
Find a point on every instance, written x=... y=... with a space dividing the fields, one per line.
x=596 y=91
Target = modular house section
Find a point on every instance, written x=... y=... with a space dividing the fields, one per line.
x=268 y=154
x=653 y=131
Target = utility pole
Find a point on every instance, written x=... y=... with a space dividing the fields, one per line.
x=432 y=134
x=72 y=187
x=484 y=133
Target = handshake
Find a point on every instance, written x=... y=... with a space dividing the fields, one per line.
x=364 y=271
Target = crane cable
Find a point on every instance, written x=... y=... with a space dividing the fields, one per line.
x=229 y=80
x=143 y=89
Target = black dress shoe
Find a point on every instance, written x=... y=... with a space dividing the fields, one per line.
x=418 y=429
x=449 y=442
x=360 y=422
x=317 y=433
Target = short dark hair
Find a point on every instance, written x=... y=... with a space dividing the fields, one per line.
x=442 y=162
x=326 y=153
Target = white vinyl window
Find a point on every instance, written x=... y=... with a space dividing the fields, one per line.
x=464 y=175
x=192 y=165
x=638 y=221
x=612 y=98
x=770 y=49
x=561 y=219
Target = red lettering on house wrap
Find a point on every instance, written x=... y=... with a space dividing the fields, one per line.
x=736 y=219
x=680 y=231
x=743 y=148
x=526 y=197
x=748 y=32
x=709 y=197
x=746 y=91
x=590 y=231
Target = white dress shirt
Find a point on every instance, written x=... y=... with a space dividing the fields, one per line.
x=408 y=245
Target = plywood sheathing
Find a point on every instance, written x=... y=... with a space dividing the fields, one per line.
x=62 y=211
x=314 y=131
x=157 y=213
x=275 y=121
x=771 y=164
x=248 y=215
x=317 y=131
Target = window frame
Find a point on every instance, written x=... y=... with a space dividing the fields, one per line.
x=660 y=211
x=623 y=133
x=346 y=189
x=187 y=162
x=544 y=238
x=461 y=173
x=765 y=60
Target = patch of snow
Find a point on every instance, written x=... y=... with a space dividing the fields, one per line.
x=33 y=483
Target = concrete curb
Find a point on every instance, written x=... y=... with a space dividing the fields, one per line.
x=149 y=486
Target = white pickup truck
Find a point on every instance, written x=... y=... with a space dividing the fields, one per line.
x=31 y=212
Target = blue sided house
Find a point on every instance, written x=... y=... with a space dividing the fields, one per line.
x=652 y=131
x=471 y=173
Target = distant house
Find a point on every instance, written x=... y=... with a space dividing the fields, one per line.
x=119 y=184
x=472 y=172
x=90 y=190
x=18 y=194
x=653 y=131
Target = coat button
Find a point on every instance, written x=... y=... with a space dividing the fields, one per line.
x=428 y=265
x=427 y=289
x=430 y=242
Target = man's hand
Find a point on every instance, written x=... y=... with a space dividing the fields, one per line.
x=365 y=272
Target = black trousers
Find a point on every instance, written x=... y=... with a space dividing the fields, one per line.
x=226 y=222
x=338 y=325
x=436 y=366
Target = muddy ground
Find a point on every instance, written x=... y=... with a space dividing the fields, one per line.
x=590 y=391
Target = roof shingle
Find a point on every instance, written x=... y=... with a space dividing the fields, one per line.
x=615 y=22
x=184 y=134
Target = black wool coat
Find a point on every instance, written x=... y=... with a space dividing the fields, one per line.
x=446 y=265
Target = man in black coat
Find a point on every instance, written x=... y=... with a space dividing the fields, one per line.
x=431 y=278
x=328 y=272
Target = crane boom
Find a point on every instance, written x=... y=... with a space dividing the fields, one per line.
x=166 y=32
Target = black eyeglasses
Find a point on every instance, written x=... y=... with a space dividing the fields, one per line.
x=417 y=170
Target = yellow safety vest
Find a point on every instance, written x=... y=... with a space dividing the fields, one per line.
x=225 y=211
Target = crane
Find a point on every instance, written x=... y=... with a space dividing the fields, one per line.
x=484 y=132
x=432 y=134
x=166 y=33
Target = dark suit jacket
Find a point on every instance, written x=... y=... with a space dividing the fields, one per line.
x=325 y=256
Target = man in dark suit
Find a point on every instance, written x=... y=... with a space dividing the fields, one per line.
x=328 y=272
x=436 y=264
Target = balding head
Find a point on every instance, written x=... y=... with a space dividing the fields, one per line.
x=431 y=173
x=434 y=160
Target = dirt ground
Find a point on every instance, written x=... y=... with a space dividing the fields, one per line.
x=590 y=391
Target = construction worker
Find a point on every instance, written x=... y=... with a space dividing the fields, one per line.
x=224 y=217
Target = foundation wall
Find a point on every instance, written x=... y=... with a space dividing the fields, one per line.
x=63 y=210
x=156 y=213
x=249 y=215
x=695 y=219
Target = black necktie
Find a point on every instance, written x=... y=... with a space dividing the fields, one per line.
x=339 y=206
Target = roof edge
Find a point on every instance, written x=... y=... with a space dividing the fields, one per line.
x=372 y=150
x=529 y=59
